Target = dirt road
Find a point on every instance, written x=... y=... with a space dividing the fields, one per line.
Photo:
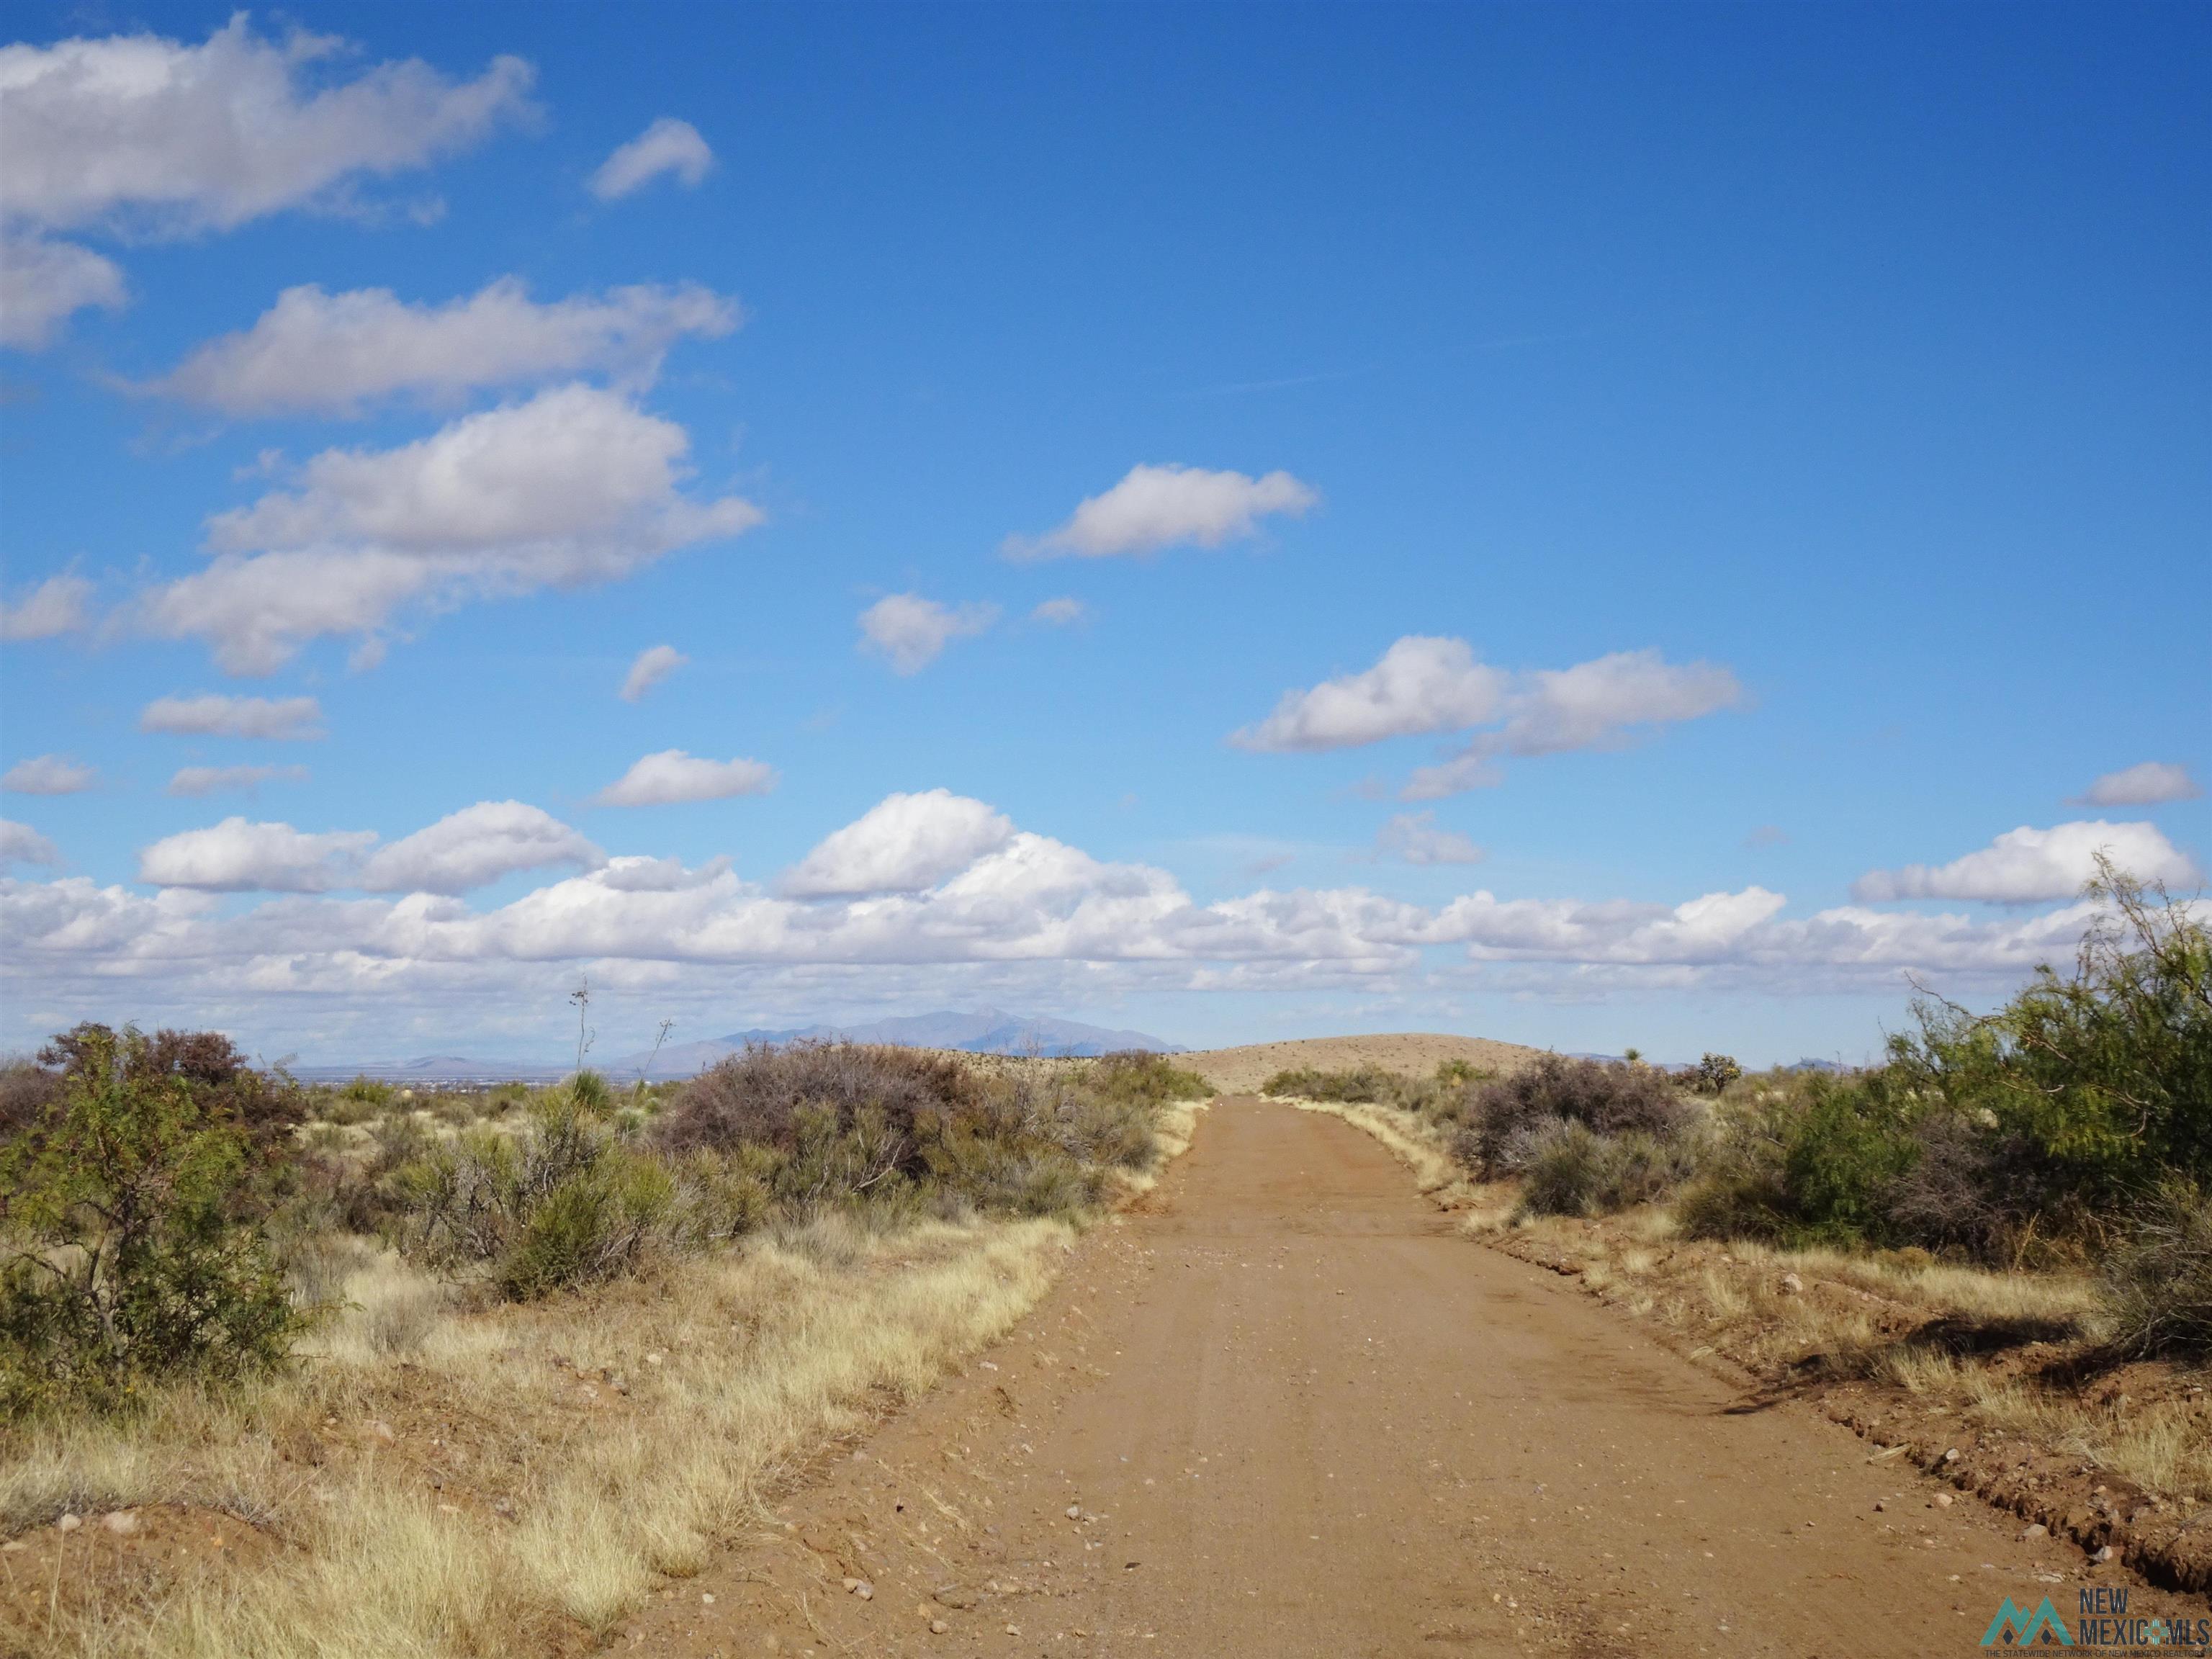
x=1287 y=1413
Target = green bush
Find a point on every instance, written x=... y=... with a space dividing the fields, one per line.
x=266 y=1106
x=2103 y=1075
x=561 y=1202
x=126 y=1258
x=1359 y=1085
x=1714 y=1072
x=1998 y=1136
x=1742 y=1189
x=1133 y=1075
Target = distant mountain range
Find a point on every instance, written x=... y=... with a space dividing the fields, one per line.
x=984 y=1031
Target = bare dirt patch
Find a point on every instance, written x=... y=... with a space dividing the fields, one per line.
x=1293 y=1412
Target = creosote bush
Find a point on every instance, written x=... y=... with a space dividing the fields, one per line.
x=124 y=1256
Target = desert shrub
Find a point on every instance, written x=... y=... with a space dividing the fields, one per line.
x=834 y=1155
x=1742 y=1189
x=1442 y=1098
x=1563 y=1167
x=266 y=1105
x=1606 y=1099
x=1569 y=1170
x=1134 y=1075
x=1359 y=1085
x=594 y=1224
x=721 y=1197
x=2024 y=1133
x=2157 y=1285
x=1808 y=1159
x=1012 y=1175
x=756 y=1097
x=1714 y=1072
x=2102 y=1075
x=901 y=1130
x=560 y=1203
x=358 y=1101
x=125 y=1261
x=27 y=1089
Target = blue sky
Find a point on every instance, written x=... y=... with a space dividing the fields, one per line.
x=1825 y=387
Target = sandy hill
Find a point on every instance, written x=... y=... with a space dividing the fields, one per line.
x=1238 y=1070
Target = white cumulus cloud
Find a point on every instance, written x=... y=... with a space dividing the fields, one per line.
x=236 y=856
x=325 y=353
x=44 y=283
x=577 y=486
x=1429 y=684
x=668 y=146
x=956 y=905
x=1060 y=611
x=1415 y=838
x=673 y=776
x=1422 y=683
x=208 y=137
x=1154 y=507
x=654 y=663
x=214 y=716
x=48 y=775
x=55 y=606
x=142 y=135
x=20 y=844
x=474 y=848
x=193 y=781
x=2028 y=865
x=2151 y=783
x=901 y=845
x=910 y=632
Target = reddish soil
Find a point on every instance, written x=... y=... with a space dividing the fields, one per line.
x=1287 y=1413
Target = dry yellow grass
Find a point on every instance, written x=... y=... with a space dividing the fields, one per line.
x=735 y=1368
x=452 y=1482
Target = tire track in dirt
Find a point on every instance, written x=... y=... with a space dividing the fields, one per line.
x=1285 y=1412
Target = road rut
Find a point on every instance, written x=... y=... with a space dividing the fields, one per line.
x=1287 y=1412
